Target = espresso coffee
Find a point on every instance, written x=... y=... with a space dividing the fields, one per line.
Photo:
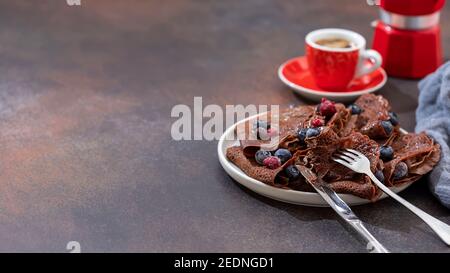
x=335 y=43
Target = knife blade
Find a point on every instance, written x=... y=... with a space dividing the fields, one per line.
x=342 y=209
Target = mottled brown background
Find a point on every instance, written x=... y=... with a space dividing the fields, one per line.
x=85 y=147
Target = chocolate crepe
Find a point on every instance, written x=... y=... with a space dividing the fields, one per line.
x=362 y=132
x=289 y=121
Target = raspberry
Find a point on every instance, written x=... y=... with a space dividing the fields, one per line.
x=327 y=108
x=272 y=162
x=317 y=122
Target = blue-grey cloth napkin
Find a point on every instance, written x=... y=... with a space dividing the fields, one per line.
x=433 y=116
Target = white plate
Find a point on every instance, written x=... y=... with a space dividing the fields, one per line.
x=288 y=196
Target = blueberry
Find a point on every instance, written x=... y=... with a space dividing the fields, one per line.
x=379 y=175
x=301 y=135
x=356 y=110
x=387 y=126
x=292 y=173
x=312 y=132
x=400 y=171
x=261 y=124
x=393 y=118
x=386 y=153
x=261 y=127
x=283 y=154
x=261 y=155
x=262 y=134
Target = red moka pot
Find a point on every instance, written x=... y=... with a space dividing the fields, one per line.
x=407 y=35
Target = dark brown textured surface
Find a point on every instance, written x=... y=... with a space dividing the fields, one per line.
x=85 y=149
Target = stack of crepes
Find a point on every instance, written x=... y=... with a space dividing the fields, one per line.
x=363 y=131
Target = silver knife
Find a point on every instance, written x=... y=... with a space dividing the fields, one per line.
x=342 y=209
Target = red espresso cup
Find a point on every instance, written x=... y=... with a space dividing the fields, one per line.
x=333 y=67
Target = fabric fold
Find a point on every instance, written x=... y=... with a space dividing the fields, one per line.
x=433 y=117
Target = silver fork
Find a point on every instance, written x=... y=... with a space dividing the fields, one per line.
x=359 y=163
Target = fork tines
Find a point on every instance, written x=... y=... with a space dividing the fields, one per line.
x=346 y=156
x=351 y=159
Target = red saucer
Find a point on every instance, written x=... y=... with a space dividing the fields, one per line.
x=295 y=74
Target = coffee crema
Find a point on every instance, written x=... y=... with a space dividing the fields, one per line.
x=335 y=43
